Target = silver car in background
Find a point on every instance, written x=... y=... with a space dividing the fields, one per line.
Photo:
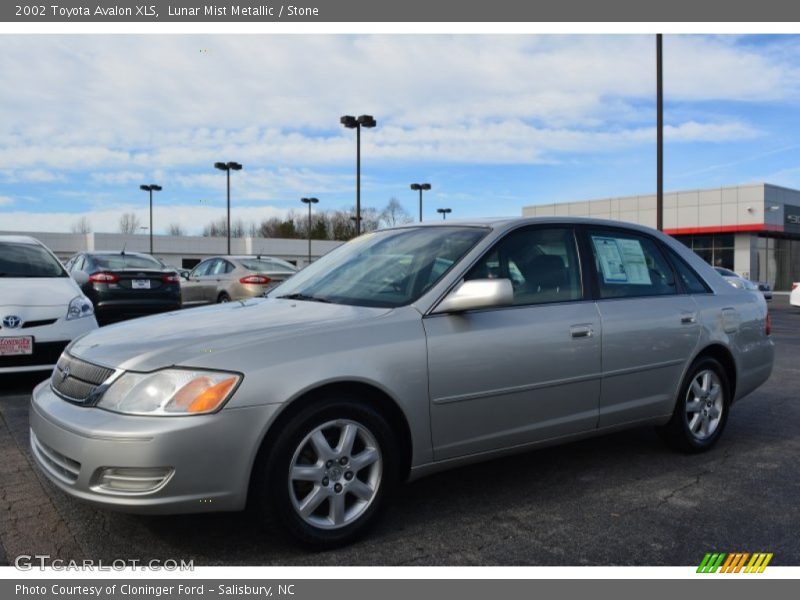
x=224 y=278
x=401 y=353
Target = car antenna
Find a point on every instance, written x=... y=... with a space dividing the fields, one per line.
x=122 y=252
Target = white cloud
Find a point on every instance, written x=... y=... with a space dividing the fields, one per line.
x=6 y=201
x=138 y=104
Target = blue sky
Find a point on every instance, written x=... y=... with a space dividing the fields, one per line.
x=492 y=122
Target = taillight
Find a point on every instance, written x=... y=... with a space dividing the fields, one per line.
x=257 y=279
x=795 y=285
x=171 y=278
x=103 y=278
x=768 y=325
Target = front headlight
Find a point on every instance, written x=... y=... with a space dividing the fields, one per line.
x=80 y=306
x=171 y=392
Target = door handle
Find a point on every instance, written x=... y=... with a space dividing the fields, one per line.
x=687 y=319
x=581 y=331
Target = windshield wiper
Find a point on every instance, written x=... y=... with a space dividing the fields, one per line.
x=300 y=296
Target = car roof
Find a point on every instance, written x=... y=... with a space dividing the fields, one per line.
x=510 y=222
x=20 y=239
x=115 y=253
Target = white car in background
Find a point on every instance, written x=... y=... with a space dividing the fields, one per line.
x=743 y=283
x=794 y=297
x=42 y=308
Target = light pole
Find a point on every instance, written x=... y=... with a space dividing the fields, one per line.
x=228 y=167
x=357 y=123
x=444 y=212
x=420 y=187
x=309 y=201
x=659 y=135
x=151 y=188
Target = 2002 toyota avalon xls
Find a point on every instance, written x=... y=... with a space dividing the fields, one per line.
x=398 y=354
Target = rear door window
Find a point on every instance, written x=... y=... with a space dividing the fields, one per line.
x=629 y=265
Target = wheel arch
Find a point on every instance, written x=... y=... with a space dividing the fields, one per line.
x=723 y=356
x=371 y=394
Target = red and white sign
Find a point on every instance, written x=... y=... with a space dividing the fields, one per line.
x=11 y=346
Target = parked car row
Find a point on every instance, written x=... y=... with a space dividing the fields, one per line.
x=44 y=305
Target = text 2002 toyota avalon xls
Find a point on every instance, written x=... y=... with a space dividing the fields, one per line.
x=398 y=354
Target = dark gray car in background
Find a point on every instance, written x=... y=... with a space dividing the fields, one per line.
x=401 y=353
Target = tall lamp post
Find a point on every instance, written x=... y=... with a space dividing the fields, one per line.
x=309 y=201
x=228 y=167
x=420 y=187
x=444 y=212
x=357 y=123
x=659 y=135
x=151 y=188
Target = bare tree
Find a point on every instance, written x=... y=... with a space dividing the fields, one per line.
x=219 y=228
x=82 y=225
x=176 y=229
x=394 y=214
x=129 y=223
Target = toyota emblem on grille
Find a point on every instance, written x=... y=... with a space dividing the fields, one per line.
x=11 y=321
x=64 y=374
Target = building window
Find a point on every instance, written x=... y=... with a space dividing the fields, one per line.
x=716 y=249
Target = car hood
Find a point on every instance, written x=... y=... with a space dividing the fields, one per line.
x=179 y=337
x=38 y=291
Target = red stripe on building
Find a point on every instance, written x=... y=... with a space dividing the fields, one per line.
x=725 y=229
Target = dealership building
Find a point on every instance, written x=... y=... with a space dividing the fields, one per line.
x=751 y=229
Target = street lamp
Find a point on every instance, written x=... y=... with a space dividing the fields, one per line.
x=444 y=212
x=357 y=123
x=228 y=167
x=150 y=188
x=420 y=187
x=309 y=201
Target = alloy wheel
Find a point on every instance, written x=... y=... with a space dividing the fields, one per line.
x=335 y=474
x=704 y=404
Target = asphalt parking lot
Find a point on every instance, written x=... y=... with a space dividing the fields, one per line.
x=623 y=499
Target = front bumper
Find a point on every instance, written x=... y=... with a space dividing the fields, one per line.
x=48 y=343
x=209 y=457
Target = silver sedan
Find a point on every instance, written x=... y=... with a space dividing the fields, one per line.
x=401 y=353
x=225 y=278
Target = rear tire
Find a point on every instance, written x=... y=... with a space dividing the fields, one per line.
x=328 y=473
x=701 y=410
x=223 y=297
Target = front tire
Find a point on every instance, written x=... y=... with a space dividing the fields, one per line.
x=329 y=471
x=701 y=410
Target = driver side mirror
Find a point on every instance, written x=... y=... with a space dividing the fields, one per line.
x=478 y=293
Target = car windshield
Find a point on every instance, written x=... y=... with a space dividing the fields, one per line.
x=266 y=264
x=384 y=269
x=114 y=262
x=28 y=260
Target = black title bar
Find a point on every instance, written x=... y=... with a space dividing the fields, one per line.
x=400 y=10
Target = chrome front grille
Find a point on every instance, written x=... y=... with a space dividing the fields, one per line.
x=77 y=380
x=59 y=465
